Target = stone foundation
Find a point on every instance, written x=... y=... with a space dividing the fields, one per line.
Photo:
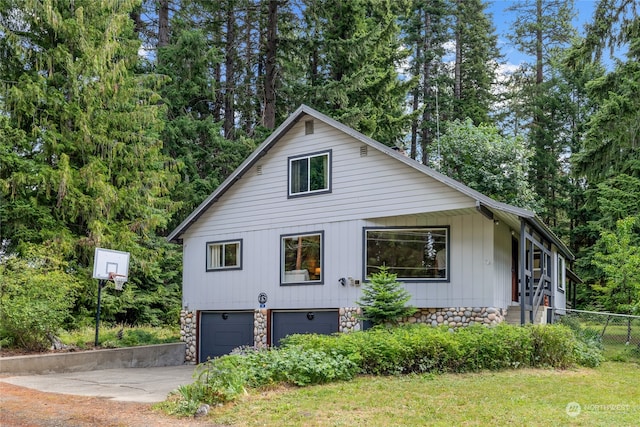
x=260 y=328
x=457 y=317
x=348 y=319
x=188 y=335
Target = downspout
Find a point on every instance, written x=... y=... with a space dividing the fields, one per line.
x=523 y=254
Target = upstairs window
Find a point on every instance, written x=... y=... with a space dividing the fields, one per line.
x=413 y=254
x=310 y=174
x=224 y=255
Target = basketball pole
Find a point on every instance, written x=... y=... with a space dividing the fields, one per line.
x=101 y=283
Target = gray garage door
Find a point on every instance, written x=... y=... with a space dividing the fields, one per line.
x=303 y=322
x=222 y=331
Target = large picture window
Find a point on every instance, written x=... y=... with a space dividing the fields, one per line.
x=310 y=174
x=410 y=253
x=224 y=255
x=302 y=258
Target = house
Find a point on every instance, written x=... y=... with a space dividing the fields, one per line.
x=285 y=244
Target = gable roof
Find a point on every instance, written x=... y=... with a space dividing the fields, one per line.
x=484 y=204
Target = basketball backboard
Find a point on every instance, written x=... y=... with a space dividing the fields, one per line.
x=107 y=261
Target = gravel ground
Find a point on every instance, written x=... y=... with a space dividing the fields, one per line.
x=23 y=407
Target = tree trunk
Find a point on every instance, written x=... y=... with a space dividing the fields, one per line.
x=229 y=93
x=269 y=120
x=163 y=23
x=426 y=92
x=457 y=89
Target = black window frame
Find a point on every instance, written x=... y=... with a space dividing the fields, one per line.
x=433 y=279
x=320 y=261
x=223 y=243
x=309 y=156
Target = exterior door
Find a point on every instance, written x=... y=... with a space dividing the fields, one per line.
x=222 y=331
x=303 y=322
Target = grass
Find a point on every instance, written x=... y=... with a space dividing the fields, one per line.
x=130 y=336
x=614 y=340
x=608 y=395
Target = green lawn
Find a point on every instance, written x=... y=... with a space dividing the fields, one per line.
x=608 y=396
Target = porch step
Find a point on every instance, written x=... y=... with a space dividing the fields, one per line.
x=513 y=315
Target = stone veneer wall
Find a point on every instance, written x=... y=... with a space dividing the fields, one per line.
x=456 y=317
x=188 y=330
x=260 y=328
x=348 y=320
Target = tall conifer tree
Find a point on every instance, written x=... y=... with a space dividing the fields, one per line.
x=92 y=172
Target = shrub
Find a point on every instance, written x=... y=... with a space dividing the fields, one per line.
x=299 y=366
x=500 y=347
x=589 y=347
x=553 y=345
x=36 y=295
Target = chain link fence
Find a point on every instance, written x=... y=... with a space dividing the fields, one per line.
x=619 y=333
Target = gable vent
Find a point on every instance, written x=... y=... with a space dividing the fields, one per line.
x=363 y=151
x=259 y=169
x=308 y=127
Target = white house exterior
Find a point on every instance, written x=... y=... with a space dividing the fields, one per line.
x=286 y=242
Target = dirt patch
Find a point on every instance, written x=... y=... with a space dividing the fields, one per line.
x=22 y=407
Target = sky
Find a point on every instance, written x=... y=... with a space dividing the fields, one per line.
x=502 y=21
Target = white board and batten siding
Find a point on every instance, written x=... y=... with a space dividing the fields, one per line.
x=367 y=191
x=471 y=259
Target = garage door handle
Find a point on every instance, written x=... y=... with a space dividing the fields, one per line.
x=310 y=315
x=225 y=316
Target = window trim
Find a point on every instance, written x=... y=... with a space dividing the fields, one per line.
x=561 y=273
x=222 y=243
x=281 y=269
x=447 y=228
x=329 y=154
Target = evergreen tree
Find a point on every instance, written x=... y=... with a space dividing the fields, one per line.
x=542 y=27
x=349 y=53
x=426 y=26
x=192 y=134
x=86 y=127
x=477 y=58
x=384 y=300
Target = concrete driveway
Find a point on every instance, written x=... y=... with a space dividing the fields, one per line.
x=146 y=385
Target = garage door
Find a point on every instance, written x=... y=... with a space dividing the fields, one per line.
x=222 y=331
x=303 y=322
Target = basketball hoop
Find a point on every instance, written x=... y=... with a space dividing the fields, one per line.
x=118 y=279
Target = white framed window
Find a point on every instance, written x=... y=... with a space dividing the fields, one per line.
x=413 y=254
x=224 y=255
x=310 y=174
x=561 y=273
x=302 y=258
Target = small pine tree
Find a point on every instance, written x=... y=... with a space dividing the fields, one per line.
x=383 y=299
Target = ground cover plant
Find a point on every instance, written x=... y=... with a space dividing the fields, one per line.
x=411 y=349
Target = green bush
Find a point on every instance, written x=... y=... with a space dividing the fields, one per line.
x=421 y=348
x=500 y=347
x=36 y=295
x=553 y=346
x=298 y=366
